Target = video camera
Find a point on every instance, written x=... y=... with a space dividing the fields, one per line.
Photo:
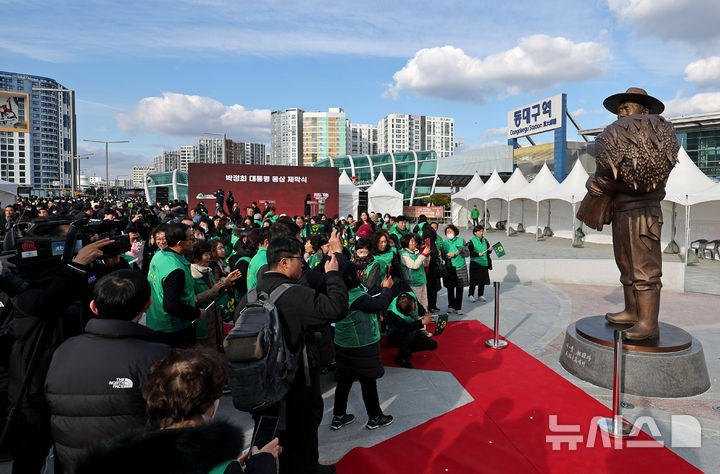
x=42 y=246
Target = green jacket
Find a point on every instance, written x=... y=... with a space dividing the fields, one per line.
x=257 y=261
x=480 y=246
x=474 y=213
x=455 y=245
x=162 y=264
x=408 y=318
x=417 y=275
x=357 y=328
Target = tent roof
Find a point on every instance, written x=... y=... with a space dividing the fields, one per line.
x=515 y=183
x=475 y=183
x=710 y=194
x=381 y=188
x=493 y=183
x=687 y=184
x=345 y=185
x=8 y=187
x=572 y=189
x=345 y=179
x=544 y=182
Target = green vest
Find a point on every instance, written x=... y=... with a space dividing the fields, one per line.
x=384 y=259
x=397 y=232
x=480 y=246
x=313 y=261
x=257 y=261
x=162 y=264
x=417 y=276
x=358 y=328
x=409 y=319
x=455 y=245
x=474 y=214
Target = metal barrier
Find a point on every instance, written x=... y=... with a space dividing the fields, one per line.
x=616 y=427
x=496 y=342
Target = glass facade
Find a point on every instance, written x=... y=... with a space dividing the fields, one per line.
x=703 y=147
x=413 y=173
x=170 y=185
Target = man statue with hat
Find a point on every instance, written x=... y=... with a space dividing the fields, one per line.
x=634 y=156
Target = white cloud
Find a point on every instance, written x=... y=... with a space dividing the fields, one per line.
x=700 y=103
x=190 y=115
x=494 y=132
x=705 y=73
x=536 y=63
x=579 y=112
x=692 y=21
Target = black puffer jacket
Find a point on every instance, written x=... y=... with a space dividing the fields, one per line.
x=94 y=385
x=179 y=451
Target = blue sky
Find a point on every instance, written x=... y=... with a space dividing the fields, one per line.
x=159 y=73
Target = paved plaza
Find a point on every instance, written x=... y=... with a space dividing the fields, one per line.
x=534 y=316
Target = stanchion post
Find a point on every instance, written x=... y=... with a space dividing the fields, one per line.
x=616 y=427
x=496 y=342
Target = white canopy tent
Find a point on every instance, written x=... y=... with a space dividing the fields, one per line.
x=688 y=186
x=459 y=201
x=8 y=193
x=349 y=196
x=543 y=183
x=570 y=193
x=383 y=198
x=515 y=183
x=493 y=184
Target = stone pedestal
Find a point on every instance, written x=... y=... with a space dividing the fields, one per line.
x=671 y=366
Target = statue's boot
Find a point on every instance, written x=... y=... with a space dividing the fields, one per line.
x=630 y=314
x=648 y=308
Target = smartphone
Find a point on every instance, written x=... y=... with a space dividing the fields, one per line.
x=265 y=431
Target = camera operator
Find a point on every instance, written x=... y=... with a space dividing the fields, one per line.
x=43 y=318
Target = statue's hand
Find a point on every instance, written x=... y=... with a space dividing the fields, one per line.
x=594 y=189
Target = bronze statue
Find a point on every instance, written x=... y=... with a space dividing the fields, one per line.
x=634 y=155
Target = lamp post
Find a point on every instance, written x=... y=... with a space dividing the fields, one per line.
x=107 y=167
x=77 y=171
x=224 y=151
x=73 y=146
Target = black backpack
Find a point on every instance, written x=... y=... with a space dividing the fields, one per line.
x=261 y=367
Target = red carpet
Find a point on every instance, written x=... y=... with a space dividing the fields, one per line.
x=504 y=429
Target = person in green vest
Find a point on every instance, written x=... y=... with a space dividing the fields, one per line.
x=363 y=256
x=474 y=215
x=399 y=229
x=480 y=262
x=173 y=310
x=457 y=276
x=357 y=349
x=413 y=263
x=209 y=331
x=422 y=222
x=259 y=259
x=316 y=247
x=384 y=254
x=404 y=329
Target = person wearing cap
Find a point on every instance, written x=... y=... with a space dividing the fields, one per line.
x=357 y=348
x=634 y=158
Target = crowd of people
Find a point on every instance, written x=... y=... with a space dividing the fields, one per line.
x=126 y=351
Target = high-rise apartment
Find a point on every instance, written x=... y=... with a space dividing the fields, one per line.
x=324 y=135
x=210 y=150
x=286 y=137
x=168 y=161
x=138 y=175
x=41 y=158
x=403 y=132
x=188 y=154
x=363 y=139
x=244 y=153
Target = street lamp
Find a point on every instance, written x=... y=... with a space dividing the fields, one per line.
x=224 y=151
x=107 y=167
x=73 y=147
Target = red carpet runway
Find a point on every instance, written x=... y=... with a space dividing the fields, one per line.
x=507 y=426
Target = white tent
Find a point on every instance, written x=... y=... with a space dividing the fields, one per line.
x=493 y=184
x=515 y=183
x=8 y=193
x=459 y=201
x=544 y=182
x=349 y=196
x=570 y=192
x=383 y=198
x=688 y=186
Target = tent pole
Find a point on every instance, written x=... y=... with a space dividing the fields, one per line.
x=537 y=218
x=507 y=226
x=687 y=231
x=572 y=222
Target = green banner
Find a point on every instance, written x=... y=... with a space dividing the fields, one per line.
x=499 y=250
x=442 y=322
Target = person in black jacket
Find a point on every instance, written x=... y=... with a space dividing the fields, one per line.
x=300 y=309
x=94 y=381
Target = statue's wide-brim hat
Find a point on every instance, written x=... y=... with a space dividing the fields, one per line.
x=637 y=95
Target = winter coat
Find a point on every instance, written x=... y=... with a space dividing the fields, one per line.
x=94 y=384
x=191 y=450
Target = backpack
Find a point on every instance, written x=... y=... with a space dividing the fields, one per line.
x=261 y=368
